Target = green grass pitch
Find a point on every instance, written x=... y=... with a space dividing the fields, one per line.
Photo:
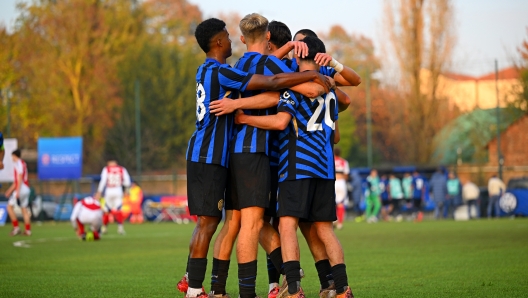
x=431 y=259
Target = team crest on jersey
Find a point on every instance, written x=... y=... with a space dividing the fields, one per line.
x=220 y=205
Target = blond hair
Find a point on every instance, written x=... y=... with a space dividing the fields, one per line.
x=253 y=26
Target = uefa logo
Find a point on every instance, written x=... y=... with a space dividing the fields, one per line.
x=508 y=202
x=45 y=159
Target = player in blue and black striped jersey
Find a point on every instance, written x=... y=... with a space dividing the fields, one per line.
x=208 y=147
x=306 y=169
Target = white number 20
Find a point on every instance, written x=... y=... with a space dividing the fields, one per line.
x=312 y=123
x=200 y=97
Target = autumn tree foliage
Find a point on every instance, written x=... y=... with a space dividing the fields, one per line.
x=421 y=35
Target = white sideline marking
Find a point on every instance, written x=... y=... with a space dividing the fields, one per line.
x=26 y=243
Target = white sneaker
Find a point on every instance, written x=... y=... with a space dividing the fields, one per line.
x=121 y=230
x=104 y=230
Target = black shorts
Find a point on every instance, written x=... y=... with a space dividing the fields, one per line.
x=417 y=203
x=385 y=203
x=308 y=199
x=250 y=180
x=271 y=211
x=206 y=184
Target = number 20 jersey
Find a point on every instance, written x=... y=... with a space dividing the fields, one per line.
x=307 y=143
x=209 y=142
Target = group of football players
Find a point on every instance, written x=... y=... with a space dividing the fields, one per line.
x=262 y=157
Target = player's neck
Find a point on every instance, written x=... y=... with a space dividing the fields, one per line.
x=259 y=47
x=216 y=56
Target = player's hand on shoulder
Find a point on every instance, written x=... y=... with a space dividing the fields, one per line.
x=222 y=107
x=322 y=59
x=300 y=49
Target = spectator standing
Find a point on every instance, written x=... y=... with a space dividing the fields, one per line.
x=438 y=186
x=470 y=196
x=418 y=189
x=495 y=189
x=357 y=192
x=453 y=191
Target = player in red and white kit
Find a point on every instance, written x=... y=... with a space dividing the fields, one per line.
x=18 y=194
x=113 y=179
x=87 y=212
x=342 y=171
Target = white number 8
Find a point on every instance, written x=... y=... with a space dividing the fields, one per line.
x=200 y=97
x=312 y=124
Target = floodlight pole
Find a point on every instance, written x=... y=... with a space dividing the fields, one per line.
x=138 y=131
x=499 y=155
x=369 y=120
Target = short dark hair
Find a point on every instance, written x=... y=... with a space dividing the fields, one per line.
x=315 y=45
x=17 y=153
x=307 y=32
x=206 y=30
x=280 y=33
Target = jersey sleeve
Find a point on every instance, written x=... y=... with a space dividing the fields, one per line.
x=19 y=168
x=102 y=183
x=75 y=213
x=233 y=79
x=126 y=178
x=347 y=168
x=327 y=71
x=288 y=103
x=275 y=66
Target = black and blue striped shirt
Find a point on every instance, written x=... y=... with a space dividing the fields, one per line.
x=209 y=143
x=249 y=139
x=307 y=144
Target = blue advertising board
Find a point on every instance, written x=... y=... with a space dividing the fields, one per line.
x=3 y=213
x=59 y=158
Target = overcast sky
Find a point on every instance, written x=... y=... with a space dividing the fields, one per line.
x=487 y=29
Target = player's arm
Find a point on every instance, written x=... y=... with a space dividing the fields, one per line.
x=10 y=190
x=126 y=181
x=345 y=75
x=261 y=101
x=309 y=89
x=75 y=214
x=337 y=136
x=278 y=121
x=19 y=179
x=299 y=47
x=343 y=101
x=287 y=80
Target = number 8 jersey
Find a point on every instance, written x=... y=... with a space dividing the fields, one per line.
x=307 y=143
x=209 y=142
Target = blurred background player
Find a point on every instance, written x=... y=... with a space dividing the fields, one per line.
x=2 y=151
x=18 y=194
x=396 y=195
x=342 y=170
x=386 y=205
x=373 y=201
x=113 y=178
x=87 y=212
x=418 y=190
